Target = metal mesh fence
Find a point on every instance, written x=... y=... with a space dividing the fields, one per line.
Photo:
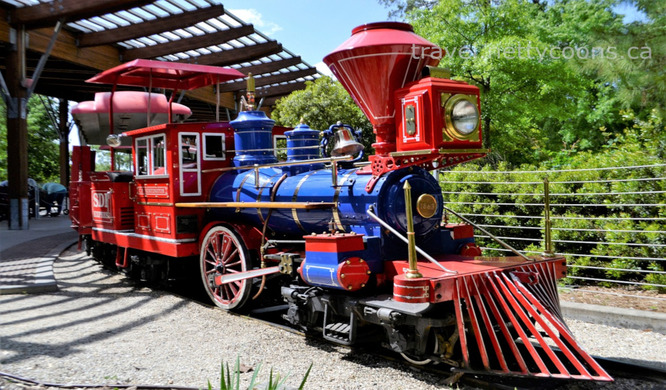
x=609 y=222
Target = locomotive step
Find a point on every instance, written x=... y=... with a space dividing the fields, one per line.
x=339 y=332
x=339 y=328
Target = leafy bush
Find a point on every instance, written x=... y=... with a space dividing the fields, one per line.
x=600 y=217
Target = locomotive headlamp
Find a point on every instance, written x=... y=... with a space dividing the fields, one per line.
x=465 y=116
x=461 y=117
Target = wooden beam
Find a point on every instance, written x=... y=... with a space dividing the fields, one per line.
x=207 y=95
x=236 y=56
x=47 y=14
x=186 y=44
x=268 y=80
x=156 y=26
x=277 y=90
x=270 y=101
x=269 y=67
x=100 y=58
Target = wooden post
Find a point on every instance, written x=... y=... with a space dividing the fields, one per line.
x=63 y=130
x=17 y=132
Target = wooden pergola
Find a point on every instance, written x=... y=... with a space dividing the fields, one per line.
x=51 y=47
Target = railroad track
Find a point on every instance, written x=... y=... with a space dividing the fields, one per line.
x=626 y=375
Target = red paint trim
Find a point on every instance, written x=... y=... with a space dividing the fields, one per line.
x=334 y=243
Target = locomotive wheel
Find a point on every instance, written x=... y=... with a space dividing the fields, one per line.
x=222 y=252
x=417 y=361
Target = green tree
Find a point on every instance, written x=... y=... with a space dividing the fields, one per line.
x=554 y=75
x=321 y=104
x=43 y=152
x=639 y=72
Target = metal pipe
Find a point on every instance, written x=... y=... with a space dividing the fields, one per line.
x=403 y=238
x=44 y=57
x=546 y=214
x=504 y=244
x=334 y=173
x=411 y=239
x=283 y=164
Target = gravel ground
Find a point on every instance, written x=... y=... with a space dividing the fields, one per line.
x=99 y=329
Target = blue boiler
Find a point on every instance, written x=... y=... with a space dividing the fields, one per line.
x=316 y=185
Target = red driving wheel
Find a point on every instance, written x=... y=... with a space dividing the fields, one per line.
x=222 y=253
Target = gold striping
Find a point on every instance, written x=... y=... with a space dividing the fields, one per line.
x=261 y=190
x=336 y=210
x=240 y=188
x=294 y=212
x=254 y=205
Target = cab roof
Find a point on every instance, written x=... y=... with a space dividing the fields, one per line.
x=162 y=74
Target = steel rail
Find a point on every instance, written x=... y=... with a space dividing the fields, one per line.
x=406 y=241
x=499 y=241
x=634 y=244
x=567 y=218
x=580 y=255
x=554 y=182
x=574 y=194
x=562 y=204
x=570 y=170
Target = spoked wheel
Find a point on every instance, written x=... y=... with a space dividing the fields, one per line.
x=223 y=253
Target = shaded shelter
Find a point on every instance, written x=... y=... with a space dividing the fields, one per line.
x=52 y=47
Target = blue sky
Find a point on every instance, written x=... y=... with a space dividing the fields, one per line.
x=309 y=28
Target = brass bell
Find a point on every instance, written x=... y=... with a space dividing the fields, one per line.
x=345 y=143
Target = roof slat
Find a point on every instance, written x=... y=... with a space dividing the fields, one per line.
x=46 y=14
x=186 y=44
x=282 y=89
x=150 y=27
x=243 y=54
x=268 y=80
x=268 y=67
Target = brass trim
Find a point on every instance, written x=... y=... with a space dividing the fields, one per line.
x=449 y=130
x=294 y=212
x=336 y=211
x=155 y=204
x=426 y=205
x=260 y=192
x=240 y=188
x=413 y=271
x=282 y=164
x=254 y=205
x=458 y=151
x=411 y=153
x=410 y=119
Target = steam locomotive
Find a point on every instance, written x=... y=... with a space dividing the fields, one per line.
x=360 y=252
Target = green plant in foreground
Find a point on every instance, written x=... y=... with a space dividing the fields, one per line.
x=231 y=379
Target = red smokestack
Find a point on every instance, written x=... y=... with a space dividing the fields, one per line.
x=375 y=61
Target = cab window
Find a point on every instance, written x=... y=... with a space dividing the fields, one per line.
x=150 y=155
x=214 y=147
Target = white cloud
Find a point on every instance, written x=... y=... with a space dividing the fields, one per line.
x=323 y=69
x=253 y=16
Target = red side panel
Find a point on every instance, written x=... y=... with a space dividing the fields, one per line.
x=334 y=243
x=112 y=207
